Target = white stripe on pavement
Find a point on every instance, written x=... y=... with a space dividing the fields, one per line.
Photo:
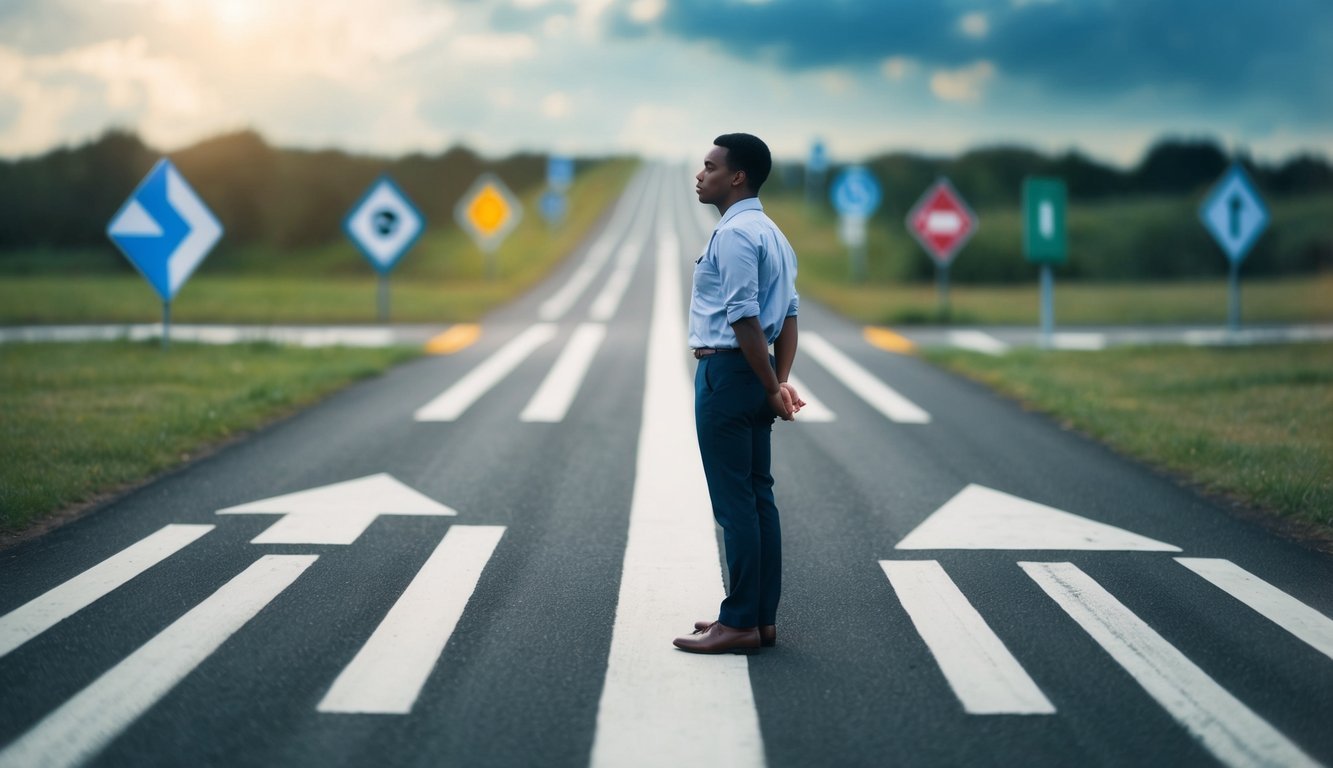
x=1089 y=342
x=451 y=404
x=604 y=307
x=985 y=677
x=84 y=725
x=661 y=706
x=978 y=341
x=1228 y=729
x=562 y=300
x=876 y=393
x=552 y=400
x=45 y=611
x=1270 y=602
x=386 y=675
x=814 y=410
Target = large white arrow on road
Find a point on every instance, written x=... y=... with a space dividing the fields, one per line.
x=338 y=513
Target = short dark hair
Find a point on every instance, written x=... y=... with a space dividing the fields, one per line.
x=749 y=154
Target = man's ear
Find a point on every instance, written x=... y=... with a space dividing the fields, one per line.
x=739 y=179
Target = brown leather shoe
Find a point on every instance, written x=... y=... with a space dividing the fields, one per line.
x=768 y=633
x=719 y=638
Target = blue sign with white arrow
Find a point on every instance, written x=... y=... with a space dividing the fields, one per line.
x=855 y=192
x=1234 y=213
x=164 y=229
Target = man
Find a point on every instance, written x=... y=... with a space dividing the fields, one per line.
x=744 y=299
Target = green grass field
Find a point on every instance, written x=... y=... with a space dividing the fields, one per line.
x=80 y=420
x=1254 y=424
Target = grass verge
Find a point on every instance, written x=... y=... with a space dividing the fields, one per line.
x=1253 y=424
x=78 y=421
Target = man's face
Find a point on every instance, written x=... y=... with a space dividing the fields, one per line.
x=714 y=183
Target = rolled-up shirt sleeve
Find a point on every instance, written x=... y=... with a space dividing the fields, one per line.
x=738 y=266
x=794 y=307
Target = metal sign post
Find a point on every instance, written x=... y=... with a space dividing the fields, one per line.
x=166 y=231
x=855 y=195
x=384 y=224
x=942 y=223
x=1044 y=240
x=1235 y=215
x=489 y=212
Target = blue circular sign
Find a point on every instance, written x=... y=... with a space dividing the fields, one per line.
x=855 y=192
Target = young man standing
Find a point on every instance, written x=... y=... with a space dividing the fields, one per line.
x=744 y=299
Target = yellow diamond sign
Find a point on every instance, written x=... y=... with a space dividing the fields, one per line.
x=488 y=211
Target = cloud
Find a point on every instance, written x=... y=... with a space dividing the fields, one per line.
x=964 y=84
x=1199 y=50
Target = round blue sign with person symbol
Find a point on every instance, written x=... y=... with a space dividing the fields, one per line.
x=855 y=192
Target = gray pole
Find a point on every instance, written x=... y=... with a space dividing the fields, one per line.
x=1233 y=312
x=166 y=324
x=1047 y=305
x=384 y=298
x=942 y=280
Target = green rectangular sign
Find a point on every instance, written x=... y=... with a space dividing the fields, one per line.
x=1044 y=220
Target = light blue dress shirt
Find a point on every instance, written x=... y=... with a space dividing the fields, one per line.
x=747 y=270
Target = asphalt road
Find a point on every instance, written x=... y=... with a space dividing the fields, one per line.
x=491 y=551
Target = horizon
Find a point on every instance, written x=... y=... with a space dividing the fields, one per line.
x=659 y=79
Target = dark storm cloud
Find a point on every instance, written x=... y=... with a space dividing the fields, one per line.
x=1280 y=50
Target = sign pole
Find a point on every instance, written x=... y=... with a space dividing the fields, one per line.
x=384 y=298
x=1047 y=306
x=166 y=324
x=1233 y=311
x=942 y=282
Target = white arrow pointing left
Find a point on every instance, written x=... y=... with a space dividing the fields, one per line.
x=338 y=513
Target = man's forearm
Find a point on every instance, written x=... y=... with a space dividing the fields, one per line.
x=753 y=344
x=784 y=349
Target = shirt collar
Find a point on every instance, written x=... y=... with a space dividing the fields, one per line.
x=748 y=204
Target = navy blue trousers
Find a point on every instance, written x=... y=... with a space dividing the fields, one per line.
x=735 y=426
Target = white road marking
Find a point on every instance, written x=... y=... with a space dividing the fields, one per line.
x=81 y=727
x=1090 y=342
x=876 y=393
x=1273 y=604
x=984 y=518
x=814 y=411
x=978 y=341
x=59 y=603
x=604 y=307
x=985 y=677
x=451 y=404
x=1228 y=729
x=337 y=513
x=661 y=706
x=562 y=300
x=552 y=400
x=387 y=674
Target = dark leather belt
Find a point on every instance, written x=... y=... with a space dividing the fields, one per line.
x=703 y=352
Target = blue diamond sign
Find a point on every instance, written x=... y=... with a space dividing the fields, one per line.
x=1234 y=214
x=164 y=229
x=384 y=224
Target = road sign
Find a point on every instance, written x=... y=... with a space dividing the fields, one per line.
x=488 y=211
x=553 y=206
x=942 y=222
x=384 y=224
x=818 y=158
x=560 y=171
x=1044 y=220
x=855 y=192
x=1234 y=213
x=164 y=229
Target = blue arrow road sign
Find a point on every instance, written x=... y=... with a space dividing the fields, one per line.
x=164 y=229
x=1234 y=214
x=384 y=224
x=560 y=171
x=855 y=192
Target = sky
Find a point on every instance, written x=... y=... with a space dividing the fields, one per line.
x=661 y=78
